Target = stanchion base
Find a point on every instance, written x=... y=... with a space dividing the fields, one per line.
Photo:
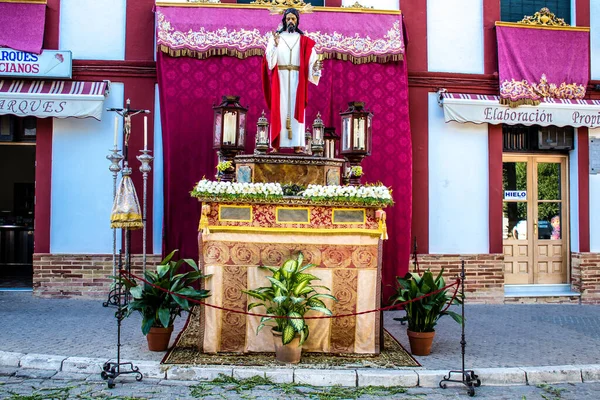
x=469 y=379
x=113 y=298
x=111 y=370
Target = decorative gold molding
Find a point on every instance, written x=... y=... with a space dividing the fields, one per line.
x=25 y=1
x=549 y=27
x=205 y=1
x=279 y=6
x=358 y=6
x=543 y=17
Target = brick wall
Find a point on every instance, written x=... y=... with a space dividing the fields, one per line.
x=585 y=276
x=484 y=274
x=78 y=275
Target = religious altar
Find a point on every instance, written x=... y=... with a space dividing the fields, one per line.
x=343 y=240
x=213 y=53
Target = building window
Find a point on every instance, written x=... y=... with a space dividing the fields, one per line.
x=515 y=10
x=520 y=138
x=17 y=129
x=315 y=3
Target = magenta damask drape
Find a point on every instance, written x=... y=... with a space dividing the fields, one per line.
x=190 y=87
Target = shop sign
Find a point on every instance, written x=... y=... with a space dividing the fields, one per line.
x=573 y=113
x=49 y=64
x=515 y=195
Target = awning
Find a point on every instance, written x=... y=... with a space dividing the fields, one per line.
x=483 y=109
x=22 y=25
x=57 y=99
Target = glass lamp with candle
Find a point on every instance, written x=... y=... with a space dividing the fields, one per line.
x=356 y=135
x=317 y=140
x=331 y=138
x=262 y=135
x=229 y=135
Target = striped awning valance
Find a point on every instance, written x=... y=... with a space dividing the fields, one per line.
x=58 y=99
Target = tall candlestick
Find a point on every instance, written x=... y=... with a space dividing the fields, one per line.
x=116 y=129
x=145 y=132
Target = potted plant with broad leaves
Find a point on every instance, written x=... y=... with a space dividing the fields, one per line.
x=159 y=308
x=291 y=294
x=422 y=315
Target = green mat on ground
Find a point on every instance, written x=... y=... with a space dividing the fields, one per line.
x=185 y=351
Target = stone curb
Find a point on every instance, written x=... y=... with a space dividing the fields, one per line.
x=59 y=367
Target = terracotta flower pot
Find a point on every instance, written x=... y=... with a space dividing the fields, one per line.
x=420 y=342
x=158 y=338
x=289 y=353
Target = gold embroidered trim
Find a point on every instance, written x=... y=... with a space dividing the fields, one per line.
x=245 y=43
x=543 y=17
x=357 y=5
x=515 y=93
x=279 y=6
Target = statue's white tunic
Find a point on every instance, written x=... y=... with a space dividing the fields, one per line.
x=280 y=55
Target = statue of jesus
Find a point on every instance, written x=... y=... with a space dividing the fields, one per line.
x=293 y=61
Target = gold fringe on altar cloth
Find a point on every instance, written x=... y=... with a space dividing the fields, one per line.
x=327 y=55
x=126 y=212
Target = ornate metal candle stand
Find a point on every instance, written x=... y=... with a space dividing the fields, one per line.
x=468 y=377
x=145 y=168
x=115 y=158
x=111 y=370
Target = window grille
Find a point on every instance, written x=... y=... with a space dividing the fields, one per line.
x=520 y=138
x=515 y=10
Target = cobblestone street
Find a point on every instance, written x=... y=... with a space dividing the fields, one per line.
x=16 y=388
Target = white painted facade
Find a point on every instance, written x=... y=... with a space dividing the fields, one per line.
x=594 y=201
x=82 y=185
x=93 y=30
x=158 y=176
x=455 y=36
x=458 y=185
x=574 y=197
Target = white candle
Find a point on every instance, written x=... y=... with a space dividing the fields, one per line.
x=145 y=132
x=116 y=129
x=230 y=122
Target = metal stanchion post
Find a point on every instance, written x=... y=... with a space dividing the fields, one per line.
x=145 y=168
x=468 y=377
x=115 y=158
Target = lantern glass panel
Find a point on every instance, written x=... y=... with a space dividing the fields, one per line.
x=242 y=131
x=229 y=128
x=318 y=134
x=218 y=128
x=346 y=131
x=369 y=132
x=359 y=133
x=261 y=135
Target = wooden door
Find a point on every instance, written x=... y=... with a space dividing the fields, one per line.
x=535 y=217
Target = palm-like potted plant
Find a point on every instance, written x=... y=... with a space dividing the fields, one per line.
x=159 y=308
x=291 y=294
x=422 y=315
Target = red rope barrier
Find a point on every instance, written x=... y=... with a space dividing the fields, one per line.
x=457 y=282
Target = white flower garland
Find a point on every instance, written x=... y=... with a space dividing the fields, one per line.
x=213 y=188
x=363 y=195
x=334 y=192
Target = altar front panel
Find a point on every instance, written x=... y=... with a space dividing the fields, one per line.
x=348 y=262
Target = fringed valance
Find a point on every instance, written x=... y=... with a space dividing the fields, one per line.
x=243 y=32
x=538 y=62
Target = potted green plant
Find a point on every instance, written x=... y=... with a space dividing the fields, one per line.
x=290 y=294
x=422 y=315
x=159 y=308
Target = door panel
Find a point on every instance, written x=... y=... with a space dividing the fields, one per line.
x=534 y=246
